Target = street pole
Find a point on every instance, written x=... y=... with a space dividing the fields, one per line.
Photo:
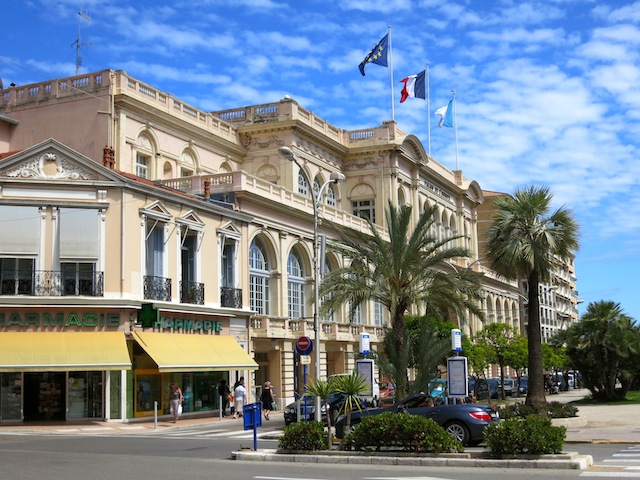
x=335 y=177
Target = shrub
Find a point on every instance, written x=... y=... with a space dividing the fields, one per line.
x=533 y=435
x=552 y=409
x=400 y=431
x=303 y=436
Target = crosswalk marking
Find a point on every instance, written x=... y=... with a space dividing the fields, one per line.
x=622 y=464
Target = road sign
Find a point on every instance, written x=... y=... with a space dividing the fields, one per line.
x=304 y=345
x=305 y=360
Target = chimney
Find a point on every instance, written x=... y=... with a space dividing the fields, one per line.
x=207 y=188
x=109 y=157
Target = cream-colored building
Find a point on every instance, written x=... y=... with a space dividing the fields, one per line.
x=247 y=250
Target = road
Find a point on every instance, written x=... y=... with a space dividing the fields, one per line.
x=203 y=452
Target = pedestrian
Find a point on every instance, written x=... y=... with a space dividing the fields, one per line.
x=267 y=399
x=175 y=401
x=239 y=398
x=223 y=393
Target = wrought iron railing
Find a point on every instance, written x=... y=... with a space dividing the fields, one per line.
x=157 y=288
x=231 y=297
x=192 y=292
x=51 y=283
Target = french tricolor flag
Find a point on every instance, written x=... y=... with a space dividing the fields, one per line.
x=414 y=86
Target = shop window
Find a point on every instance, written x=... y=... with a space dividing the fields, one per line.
x=85 y=395
x=11 y=396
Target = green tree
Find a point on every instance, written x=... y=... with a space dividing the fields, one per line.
x=523 y=240
x=496 y=338
x=401 y=268
x=604 y=345
x=430 y=344
x=351 y=386
x=516 y=357
x=322 y=389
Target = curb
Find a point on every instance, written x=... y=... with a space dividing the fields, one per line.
x=565 y=461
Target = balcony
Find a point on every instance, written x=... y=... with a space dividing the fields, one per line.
x=231 y=297
x=157 y=288
x=50 y=283
x=192 y=292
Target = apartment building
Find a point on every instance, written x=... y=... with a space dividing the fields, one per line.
x=207 y=221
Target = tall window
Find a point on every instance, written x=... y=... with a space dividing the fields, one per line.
x=295 y=286
x=19 y=247
x=303 y=186
x=79 y=253
x=142 y=165
x=355 y=314
x=364 y=209
x=155 y=248
x=378 y=313
x=228 y=262
x=332 y=200
x=258 y=278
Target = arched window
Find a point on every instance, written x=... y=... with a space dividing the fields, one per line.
x=332 y=197
x=295 y=290
x=259 y=278
x=303 y=186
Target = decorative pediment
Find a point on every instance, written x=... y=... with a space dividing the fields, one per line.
x=229 y=230
x=51 y=160
x=156 y=210
x=191 y=220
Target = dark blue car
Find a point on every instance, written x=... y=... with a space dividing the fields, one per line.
x=466 y=422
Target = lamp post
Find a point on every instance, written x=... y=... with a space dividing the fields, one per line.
x=335 y=177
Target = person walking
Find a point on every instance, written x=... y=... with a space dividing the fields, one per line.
x=267 y=399
x=223 y=393
x=175 y=401
x=239 y=398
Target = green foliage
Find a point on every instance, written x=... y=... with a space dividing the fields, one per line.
x=532 y=435
x=400 y=267
x=496 y=340
x=401 y=431
x=551 y=409
x=605 y=346
x=322 y=388
x=303 y=436
x=351 y=386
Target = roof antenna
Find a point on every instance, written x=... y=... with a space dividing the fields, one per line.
x=78 y=43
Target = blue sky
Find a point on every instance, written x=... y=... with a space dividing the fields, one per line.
x=548 y=92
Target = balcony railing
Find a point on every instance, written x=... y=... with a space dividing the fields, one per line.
x=51 y=283
x=157 y=288
x=231 y=297
x=192 y=292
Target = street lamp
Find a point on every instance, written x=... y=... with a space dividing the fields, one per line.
x=335 y=177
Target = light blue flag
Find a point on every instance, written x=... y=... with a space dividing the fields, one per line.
x=448 y=117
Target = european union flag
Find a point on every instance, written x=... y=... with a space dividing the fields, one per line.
x=377 y=55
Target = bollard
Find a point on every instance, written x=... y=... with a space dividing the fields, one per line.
x=155 y=414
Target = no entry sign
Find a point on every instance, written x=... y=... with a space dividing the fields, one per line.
x=304 y=345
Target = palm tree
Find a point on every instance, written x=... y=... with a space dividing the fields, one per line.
x=351 y=386
x=522 y=242
x=322 y=389
x=605 y=347
x=400 y=272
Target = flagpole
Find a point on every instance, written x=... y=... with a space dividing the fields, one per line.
x=455 y=126
x=428 y=114
x=393 y=114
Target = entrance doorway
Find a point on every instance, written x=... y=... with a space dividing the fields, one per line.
x=44 y=396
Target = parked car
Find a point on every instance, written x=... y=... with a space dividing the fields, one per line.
x=387 y=389
x=486 y=388
x=509 y=386
x=523 y=385
x=333 y=405
x=466 y=422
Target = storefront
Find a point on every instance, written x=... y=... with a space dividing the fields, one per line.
x=61 y=375
x=197 y=363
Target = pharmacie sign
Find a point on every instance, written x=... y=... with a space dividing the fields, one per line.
x=36 y=319
x=149 y=317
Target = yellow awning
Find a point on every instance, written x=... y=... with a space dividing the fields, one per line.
x=177 y=352
x=62 y=351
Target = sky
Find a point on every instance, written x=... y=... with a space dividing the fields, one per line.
x=547 y=92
